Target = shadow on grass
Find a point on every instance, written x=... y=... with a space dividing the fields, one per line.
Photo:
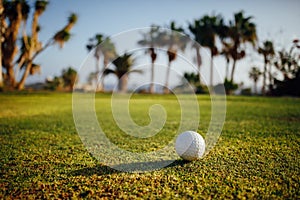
x=132 y=167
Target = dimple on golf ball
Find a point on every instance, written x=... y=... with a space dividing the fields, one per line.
x=190 y=145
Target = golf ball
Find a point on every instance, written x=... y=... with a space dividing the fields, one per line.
x=190 y=145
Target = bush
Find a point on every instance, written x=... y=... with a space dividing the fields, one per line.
x=230 y=86
x=246 y=92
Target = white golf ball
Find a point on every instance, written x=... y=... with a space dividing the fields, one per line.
x=190 y=145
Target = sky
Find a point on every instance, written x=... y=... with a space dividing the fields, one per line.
x=276 y=20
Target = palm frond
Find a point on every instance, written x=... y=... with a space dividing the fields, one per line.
x=108 y=71
x=40 y=6
x=73 y=18
x=61 y=37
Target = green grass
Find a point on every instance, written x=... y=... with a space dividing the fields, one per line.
x=42 y=156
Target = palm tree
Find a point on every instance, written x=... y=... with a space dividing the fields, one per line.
x=267 y=50
x=70 y=77
x=122 y=69
x=30 y=45
x=150 y=41
x=197 y=30
x=287 y=62
x=108 y=50
x=192 y=78
x=254 y=74
x=227 y=46
x=35 y=47
x=64 y=35
x=92 y=77
x=13 y=21
x=103 y=46
x=241 y=30
x=16 y=12
x=226 y=52
x=174 y=41
x=210 y=26
x=205 y=31
x=94 y=42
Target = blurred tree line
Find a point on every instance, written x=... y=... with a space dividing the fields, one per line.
x=230 y=39
x=65 y=82
x=207 y=31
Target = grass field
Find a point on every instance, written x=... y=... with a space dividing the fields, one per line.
x=42 y=156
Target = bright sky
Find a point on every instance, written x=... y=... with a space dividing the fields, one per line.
x=277 y=20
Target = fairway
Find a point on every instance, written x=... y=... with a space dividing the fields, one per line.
x=42 y=156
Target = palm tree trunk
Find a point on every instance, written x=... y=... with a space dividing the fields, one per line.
x=255 y=87
x=34 y=36
x=32 y=49
x=270 y=78
x=233 y=69
x=211 y=71
x=21 y=84
x=199 y=63
x=151 y=89
x=48 y=44
x=12 y=49
x=105 y=63
x=99 y=85
x=11 y=76
x=123 y=83
x=263 y=90
x=20 y=64
x=227 y=69
x=166 y=88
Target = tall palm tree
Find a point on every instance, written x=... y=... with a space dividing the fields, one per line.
x=267 y=50
x=197 y=30
x=150 y=40
x=226 y=53
x=16 y=12
x=241 y=30
x=93 y=43
x=210 y=26
x=254 y=74
x=36 y=47
x=13 y=21
x=103 y=47
x=31 y=44
x=122 y=69
x=174 y=41
x=227 y=46
x=205 y=31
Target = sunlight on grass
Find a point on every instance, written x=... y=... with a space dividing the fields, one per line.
x=257 y=155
